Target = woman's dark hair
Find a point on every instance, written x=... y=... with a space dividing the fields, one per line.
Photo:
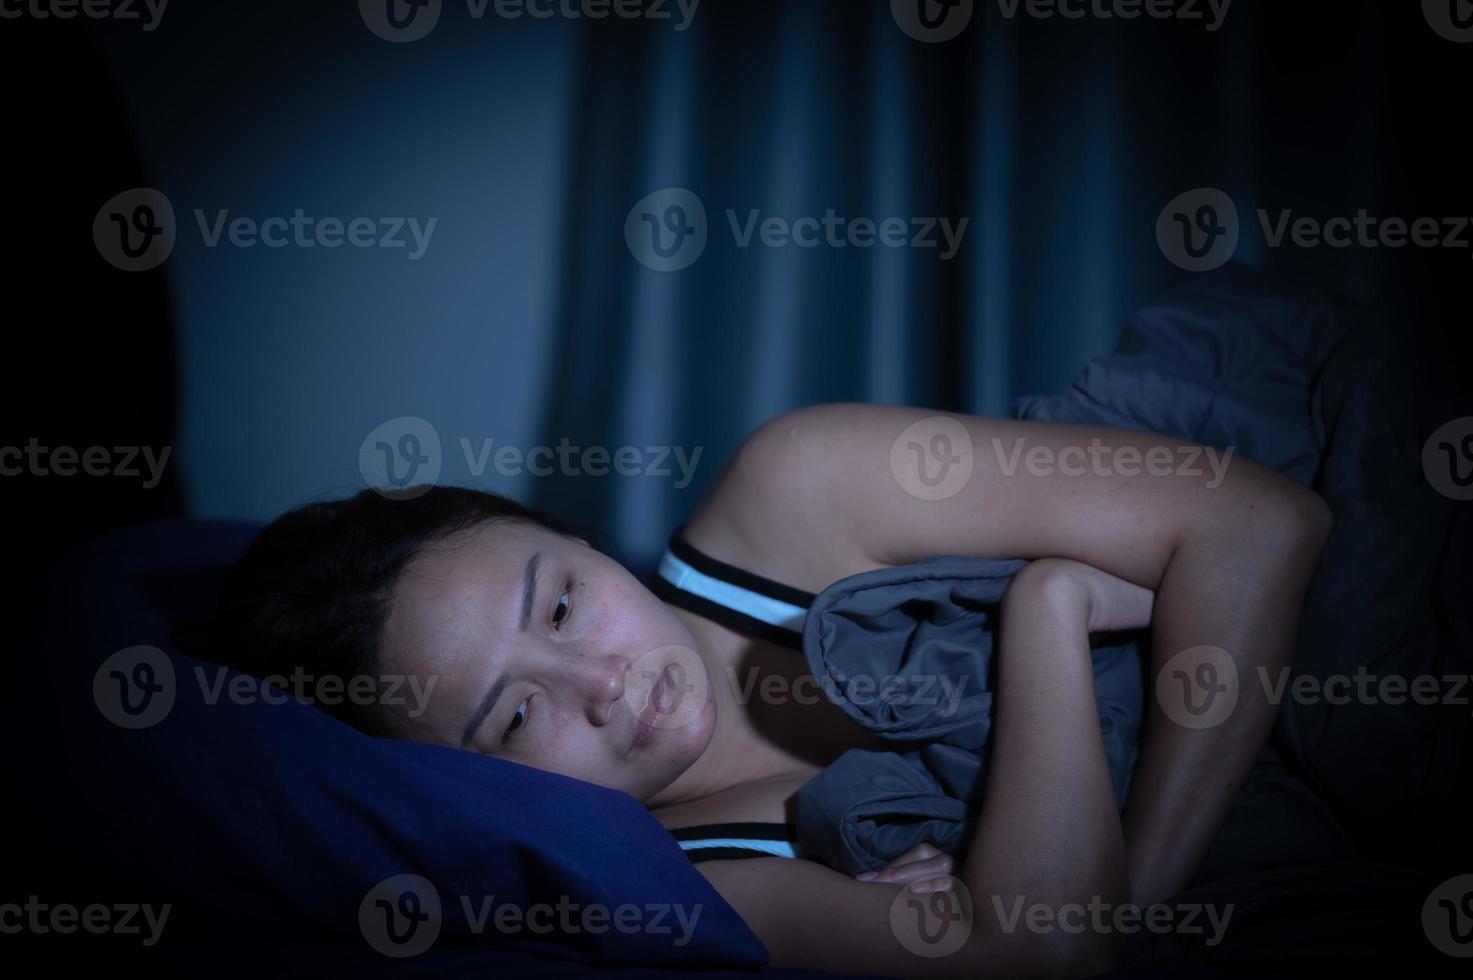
x=312 y=593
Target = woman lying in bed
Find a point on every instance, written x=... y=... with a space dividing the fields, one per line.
x=546 y=652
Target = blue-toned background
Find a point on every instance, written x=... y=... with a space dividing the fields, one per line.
x=528 y=319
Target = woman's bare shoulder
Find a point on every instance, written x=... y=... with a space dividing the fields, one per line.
x=760 y=517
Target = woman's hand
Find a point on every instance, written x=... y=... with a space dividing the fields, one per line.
x=1114 y=603
x=925 y=867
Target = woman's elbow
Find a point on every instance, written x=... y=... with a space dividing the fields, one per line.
x=1321 y=518
x=1285 y=517
x=1306 y=520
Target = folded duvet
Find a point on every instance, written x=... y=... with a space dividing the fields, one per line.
x=1228 y=360
x=906 y=652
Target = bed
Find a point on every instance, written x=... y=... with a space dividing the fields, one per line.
x=281 y=838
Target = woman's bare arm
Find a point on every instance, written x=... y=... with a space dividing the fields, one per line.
x=1227 y=546
x=1048 y=834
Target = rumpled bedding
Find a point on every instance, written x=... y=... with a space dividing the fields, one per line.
x=1227 y=361
x=1373 y=793
x=907 y=654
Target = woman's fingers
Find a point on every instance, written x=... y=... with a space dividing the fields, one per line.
x=922 y=861
x=921 y=852
x=935 y=883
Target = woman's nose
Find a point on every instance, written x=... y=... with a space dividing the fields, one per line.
x=600 y=683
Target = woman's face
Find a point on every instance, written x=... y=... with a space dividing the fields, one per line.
x=546 y=652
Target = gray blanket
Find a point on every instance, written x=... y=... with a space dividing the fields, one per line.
x=1227 y=360
x=906 y=652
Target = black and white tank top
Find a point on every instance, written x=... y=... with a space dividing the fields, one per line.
x=758 y=607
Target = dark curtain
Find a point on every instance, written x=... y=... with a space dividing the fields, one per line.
x=1058 y=141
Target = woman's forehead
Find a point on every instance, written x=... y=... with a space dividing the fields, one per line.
x=470 y=562
x=458 y=595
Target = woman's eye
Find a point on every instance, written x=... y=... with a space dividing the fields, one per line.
x=517 y=720
x=564 y=604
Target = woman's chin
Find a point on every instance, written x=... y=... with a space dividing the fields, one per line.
x=673 y=751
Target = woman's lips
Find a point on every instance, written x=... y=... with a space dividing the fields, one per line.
x=657 y=707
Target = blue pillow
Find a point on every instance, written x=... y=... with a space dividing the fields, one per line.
x=277 y=819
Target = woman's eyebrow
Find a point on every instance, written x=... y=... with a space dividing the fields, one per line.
x=488 y=702
x=529 y=590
